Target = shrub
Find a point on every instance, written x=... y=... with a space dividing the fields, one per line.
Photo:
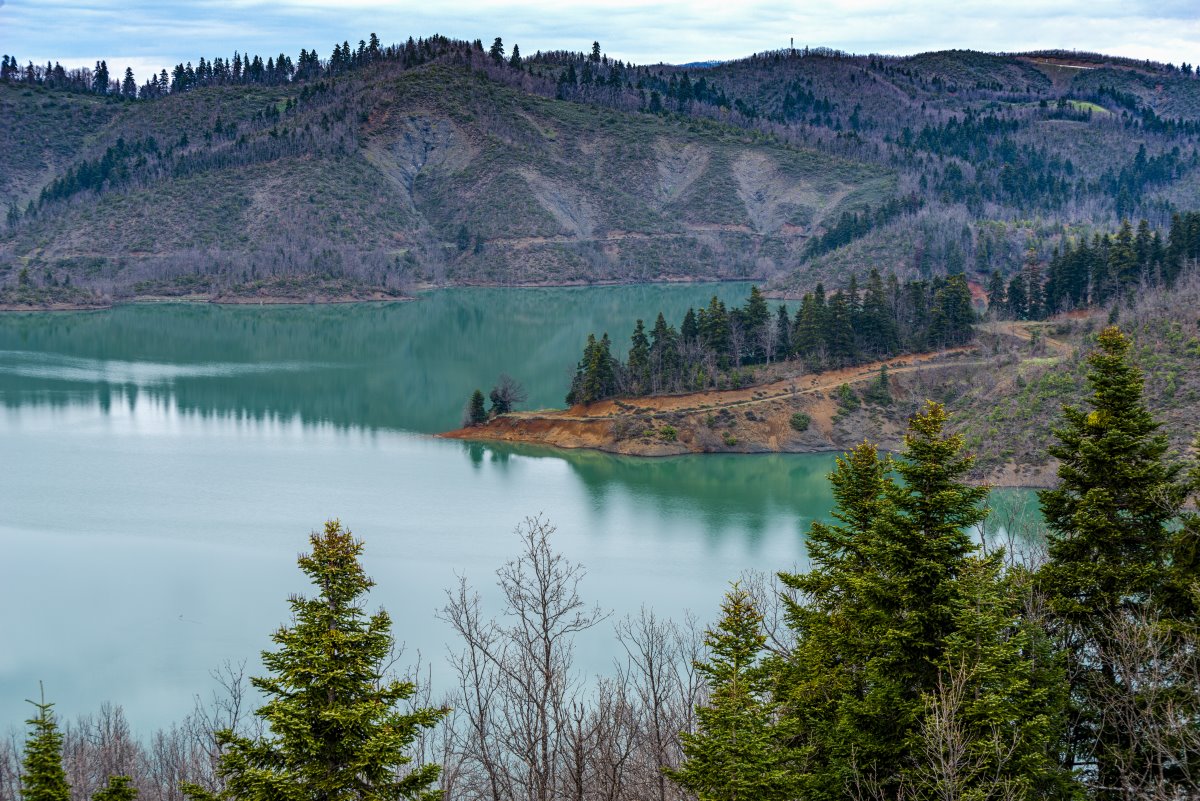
x=800 y=421
x=668 y=433
x=846 y=398
x=729 y=439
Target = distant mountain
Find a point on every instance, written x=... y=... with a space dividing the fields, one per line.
x=433 y=162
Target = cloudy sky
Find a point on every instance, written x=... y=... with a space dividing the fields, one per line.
x=150 y=35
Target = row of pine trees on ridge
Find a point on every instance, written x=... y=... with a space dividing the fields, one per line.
x=920 y=663
x=1106 y=269
x=712 y=346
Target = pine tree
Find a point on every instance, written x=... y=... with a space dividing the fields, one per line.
x=497 y=50
x=638 y=365
x=1017 y=298
x=783 y=334
x=839 y=331
x=1110 y=536
x=952 y=315
x=335 y=730
x=599 y=380
x=515 y=60
x=42 y=774
x=119 y=788
x=1122 y=259
x=664 y=355
x=714 y=329
x=808 y=333
x=878 y=326
x=880 y=391
x=756 y=317
x=690 y=329
x=129 y=84
x=734 y=755
x=999 y=700
x=476 y=411
x=883 y=595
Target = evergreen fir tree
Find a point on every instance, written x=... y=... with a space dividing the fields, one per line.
x=690 y=329
x=1002 y=687
x=714 y=329
x=882 y=598
x=995 y=292
x=756 y=317
x=734 y=755
x=877 y=331
x=119 y=788
x=42 y=774
x=335 y=729
x=1017 y=298
x=1110 y=538
x=638 y=365
x=476 y=410
x=808 y=332
x=783 y=334
x=880 y=391
x=839 y=332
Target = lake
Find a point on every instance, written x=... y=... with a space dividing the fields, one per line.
x=163 y=465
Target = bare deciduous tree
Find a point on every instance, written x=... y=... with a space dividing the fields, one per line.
x=517 y=680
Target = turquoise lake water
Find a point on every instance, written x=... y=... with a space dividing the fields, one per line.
x=163 y=465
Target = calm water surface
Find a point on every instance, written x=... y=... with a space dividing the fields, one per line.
x=162 y=466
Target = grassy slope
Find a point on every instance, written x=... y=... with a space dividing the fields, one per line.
x=1008 y=414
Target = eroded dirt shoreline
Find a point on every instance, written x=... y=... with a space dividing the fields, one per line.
x=757 y=419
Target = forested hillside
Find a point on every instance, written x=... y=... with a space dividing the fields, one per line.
x=388 y=167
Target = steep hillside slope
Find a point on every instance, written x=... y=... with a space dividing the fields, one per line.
x=432 y=162
x=391 y=178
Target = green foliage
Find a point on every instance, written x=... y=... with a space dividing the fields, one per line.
x=896 y=609
x=714 y=345
x=729 y=439
x=1111 y=541
x=335 y=729
x=880 y=390
x=119 y=788
x=596 y=375
x=734 y=754
x=847 y=398
x=42 y=774
x=1109 y=517
x=476 y=410
x=668 y=433
x=800 y=421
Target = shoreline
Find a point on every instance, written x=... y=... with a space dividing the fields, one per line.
x=326 y=300
x=1008 y=476
x=750 y=420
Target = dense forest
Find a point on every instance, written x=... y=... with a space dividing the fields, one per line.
x=914 y=660
x=713 y=346
x=1108 y=268
x=445 y=161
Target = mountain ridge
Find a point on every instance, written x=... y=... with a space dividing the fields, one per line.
x=448 y=166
